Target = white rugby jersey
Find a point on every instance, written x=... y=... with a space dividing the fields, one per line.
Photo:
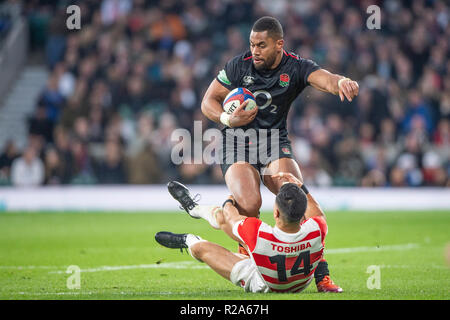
x=286 y=261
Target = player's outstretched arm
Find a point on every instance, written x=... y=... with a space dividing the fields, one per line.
x=326 y=81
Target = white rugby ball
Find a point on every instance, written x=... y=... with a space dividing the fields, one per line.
x=236 y=97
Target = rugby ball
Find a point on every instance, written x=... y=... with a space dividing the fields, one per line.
x=236 y=97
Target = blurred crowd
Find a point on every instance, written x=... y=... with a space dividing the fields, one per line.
x=6 y=22
x=137 y=70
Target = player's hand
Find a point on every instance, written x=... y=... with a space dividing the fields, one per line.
x=288 y=178
x=348 y=89
x=240 y=117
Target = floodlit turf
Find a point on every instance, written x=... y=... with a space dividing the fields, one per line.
x=119 y=258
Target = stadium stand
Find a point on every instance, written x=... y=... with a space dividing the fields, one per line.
x=137 y=70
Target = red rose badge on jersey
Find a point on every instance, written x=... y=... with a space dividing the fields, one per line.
x=284 y=80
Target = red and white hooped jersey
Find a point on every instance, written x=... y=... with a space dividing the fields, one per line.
x=286 y=261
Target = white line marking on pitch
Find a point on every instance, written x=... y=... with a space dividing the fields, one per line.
x=122 y=293
x=374 y=249
x=195 y=265
x=28 y=267
x=168 y=265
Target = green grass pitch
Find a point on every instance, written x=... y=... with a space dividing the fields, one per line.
x=119 y=258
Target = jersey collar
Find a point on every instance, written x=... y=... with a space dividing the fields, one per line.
x=284 y=236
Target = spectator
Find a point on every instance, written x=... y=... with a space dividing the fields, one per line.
x=417 y=109
x=52 y=99
x=111 y=169
x=142 y=164
x=143 y=167
x=163 y=143
x=56 y=39
x=410 y=161
x=433 y=171
x=27 y=170
x=350 y=164
x=82 y=171
x=39 y=124
x=135 y=96
x=193 y=173
x=9 y=154
x=62 y=146
x=96 y=125
x=441 y=137
x=75 y=105
x=54 y=169
x=113 y=10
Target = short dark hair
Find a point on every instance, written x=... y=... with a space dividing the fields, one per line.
x=271 y=25
x=291 y=202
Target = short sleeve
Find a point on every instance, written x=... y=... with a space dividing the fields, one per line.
x=247 y=231
x=322 y=226
x=305 y=68
x=229 y=75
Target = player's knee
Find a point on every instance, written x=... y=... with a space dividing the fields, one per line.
x=198 y=250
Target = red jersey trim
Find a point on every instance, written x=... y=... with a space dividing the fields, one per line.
x=316 y=256
x=271 y=237
x=301 y=285
x=322 y=226
x=290 y=279
x=290 y=55
x=302 y=288
x=248 y=58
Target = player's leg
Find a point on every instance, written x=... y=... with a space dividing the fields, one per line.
x=241 y=172
x=217 y=257
x=237 y=268
x=211 y=213
x=220 y=259
x=322 y=274
x=276 y=166
x=243 y=181
x=181 y=193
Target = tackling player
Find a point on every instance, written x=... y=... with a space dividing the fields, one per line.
x=282 y=258
x=276 y=77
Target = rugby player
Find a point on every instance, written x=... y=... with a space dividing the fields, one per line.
x=276 y=77
x=282 y=258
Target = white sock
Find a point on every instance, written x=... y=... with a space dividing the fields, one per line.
x=208 y=213
x=191 y=240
